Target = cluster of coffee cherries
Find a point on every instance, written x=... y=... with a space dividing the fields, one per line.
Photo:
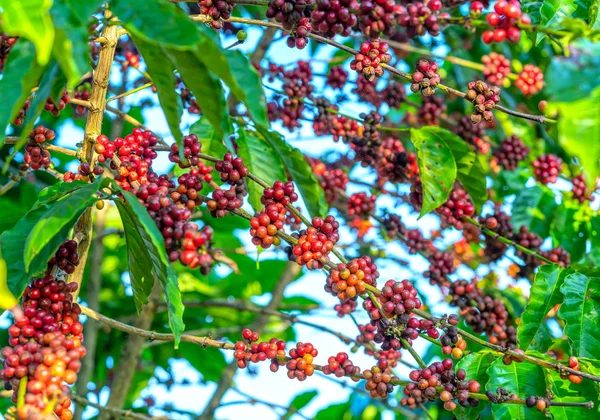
x=316 y=242
x=505 y=18
x=580 y=191
x=36 y=156
x=265 y=225
x=426 y=383
x=511 y=151
x=484 y=313
x=420 y=18
x=340 y=365
x=431 y=110
x=300 y=365
x=531 y=80
x=334 y=17
x=194 y=247
x=376 y=17
x=546 y=168
x=485 y=99
x=66 y=258
x=288 y=12
x=337 y=77
x=361 y=205
x=135 y=154
x=45 y=343
x=217 y=10
x=531 y=241
x=380 y=379
x=348 y=281
x=333 y=181
x=6 y=44
x=55 y=109
x=83 y=93
x=457 y=205
x=500 y=223
x=223 y=201
x=251 y=351
x=441 y=265
x=496 y=68
x=368 y=61
x=425 y=77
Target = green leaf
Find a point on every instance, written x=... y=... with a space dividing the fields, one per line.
x=204 y=85
x=299 y=402
x=157 y=21
x=552 y=12
x=299 y=169
x=594 y=15
x=469 y=171
x=71 y=46
x=522 y=379
x=335 y=411
x=569 y=229
x=476 y=366
x=16 y=203
x=534 y=208
x=161 y=72
x=510 y=182
x=51 y=82
x=436 y=167
x=30 y=19
x=21 y=74
x=148 y=260
x=545 y=293
x=246 y=85
x=262 y=161
x=578 y=129
x=581 y=312
x=212 y=143
x=61 y=214
x=57 y=191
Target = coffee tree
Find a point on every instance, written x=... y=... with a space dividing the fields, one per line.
x=158 y=200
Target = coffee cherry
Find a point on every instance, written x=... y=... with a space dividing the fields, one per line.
x=371 y=55
x=420 y=18
x=231 y=170
x=425 y=78
x=497 y=67
x=241 y=35
x=376 y=17
x=530 y=81
x=546 y=168
x=332 y=18
x=361 y=205
x=337 y=77
x=484 y=98
x=216 y=10
x=511 y=151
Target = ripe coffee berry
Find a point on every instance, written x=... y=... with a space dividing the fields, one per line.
x=512 y=150
x=333 y=181
x=298 y=34
x=379 y=381
x=531 y=80
x=376 y=17
x=231 y=170
x=340 y=365
x=441 y=265
x=254 y=352
x=458 y=205
x=217 y=10
x=333 y=17
x=558 y=256
x=416 y=242
x=301 y=360
x=265 y=225
x=366 y=90
x=394 y=94
x=348 y=280
x=425 y=78
x=497 y=68
x=194 y=248
x=289 y=13
x=191 y=148
x=546 y=168
x=367 y=61
x=431 y=110
x=361 y=205
x=55 y=109
x=505 y=18
x=394 y=228
x=66 y=257
x=580 y=191
x=222 y=202
x=420 y=18
x=484 y=98
x=312 y=246
x=337 y=77
x=36 y=156
x=281 y=192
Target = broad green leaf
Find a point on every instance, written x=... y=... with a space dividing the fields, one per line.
x=30 y=19
x=148 y=260
x=569 y=230
x=523 y=379
x=204 y=85
x=262 y=161
x=468 y=169
x=16 y=203
x=71 y=45
x=595 y=239
x=299 y=402
x=476 y=366
x=302 y=174
x=161 y=72
x=437 y=167
x=12 y=245
x=581 y=312
x=212 y=143
x=57 y=191
x=61 y=214
x=157 y=21
x=21 y=74
x=552 y=12
x=594 y=14
x=246 y=85
x=534 y=208
x=545 y=293
x=509 y=182
x=335 y=411
x=567 y=79
x=578 y=130
x=51 y=82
